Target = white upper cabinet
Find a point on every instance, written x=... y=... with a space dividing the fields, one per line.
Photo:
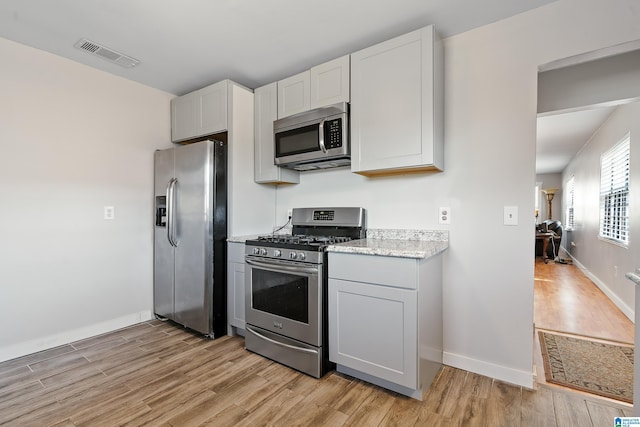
x=266 y=111
x=199 y=113
x=183 y=117
x=213 y=108
x=293 y=94
x=330 y=82
x=323 y=85
x=397 y=105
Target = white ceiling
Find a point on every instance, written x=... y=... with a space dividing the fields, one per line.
x=184 y=45
x=187 y=44
x=561 y=136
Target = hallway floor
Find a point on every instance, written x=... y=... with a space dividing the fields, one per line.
x=565 y=300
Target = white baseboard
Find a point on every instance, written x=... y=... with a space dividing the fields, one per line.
x=513 y=376
x=628 y=311
x=51 y=341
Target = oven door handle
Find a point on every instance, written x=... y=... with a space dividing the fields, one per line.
x=280 y=267
x=292 y=347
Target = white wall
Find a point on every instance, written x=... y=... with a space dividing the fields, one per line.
x=73 y=140
x=490 y=138
x=597 y=257
x=551 y=180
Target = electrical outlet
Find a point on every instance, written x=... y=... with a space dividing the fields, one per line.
x=510 y=215
x=109 y=212
x=289 y=213
x=615 y=271
x=444 y=215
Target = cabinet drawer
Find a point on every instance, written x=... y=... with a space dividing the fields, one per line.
x=388 y=271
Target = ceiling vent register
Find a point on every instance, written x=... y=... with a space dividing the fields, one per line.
x=106 y=53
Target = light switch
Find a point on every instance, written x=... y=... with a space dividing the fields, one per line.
x=510 y=215
x=109 y=212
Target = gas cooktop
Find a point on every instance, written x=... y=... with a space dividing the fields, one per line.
x=301 y=241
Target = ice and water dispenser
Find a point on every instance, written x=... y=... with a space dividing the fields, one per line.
x=161 y=211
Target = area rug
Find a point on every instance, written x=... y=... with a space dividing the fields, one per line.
x=578 y=362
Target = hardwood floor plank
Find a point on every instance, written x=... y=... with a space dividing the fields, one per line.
x=453 y=394
x=571 y=411
x=272 y=411
x=42 y=413
x=16 y=377
x=230 y=416
x=34 y=358
x=111 y=414
x=374 y=408
x=504 y=405
x=65 y=362
x=477 y=385
x=602 y=415
x=537 y=408
x=404 y=411
x=438 y=394
x=357 y=392
x=19 y=394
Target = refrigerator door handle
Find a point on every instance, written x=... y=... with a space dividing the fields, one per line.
x=171 y=233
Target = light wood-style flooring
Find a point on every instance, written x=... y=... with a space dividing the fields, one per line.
x=156 y=374
x=567 y=301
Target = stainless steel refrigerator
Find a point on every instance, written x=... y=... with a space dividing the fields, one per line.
x=189 y=280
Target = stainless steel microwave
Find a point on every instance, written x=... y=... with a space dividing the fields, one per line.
x=316 y=139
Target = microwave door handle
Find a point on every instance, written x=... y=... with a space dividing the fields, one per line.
x=321 y=134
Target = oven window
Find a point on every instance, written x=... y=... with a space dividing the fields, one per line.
x=282 y=294
x=296 y=141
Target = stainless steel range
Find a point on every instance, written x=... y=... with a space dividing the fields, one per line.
x=286 y=287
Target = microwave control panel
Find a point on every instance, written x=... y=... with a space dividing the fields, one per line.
x=333 y=132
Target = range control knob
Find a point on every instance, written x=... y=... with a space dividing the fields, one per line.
x=277 y=253
x=256 y=251
x=292 y=255
x=263 y=251
x=302 y=256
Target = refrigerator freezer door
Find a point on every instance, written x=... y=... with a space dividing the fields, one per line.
x=163 y=297
x=194 y=236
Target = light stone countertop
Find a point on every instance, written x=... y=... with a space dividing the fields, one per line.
x=634 y=277
x=241 y=239
x=386 y=242
x=397 y=243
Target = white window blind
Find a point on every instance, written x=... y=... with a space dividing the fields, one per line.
x=614 y=193
x=569 y=220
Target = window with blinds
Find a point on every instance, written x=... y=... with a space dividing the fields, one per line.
x=569 y=220
x=614 y=193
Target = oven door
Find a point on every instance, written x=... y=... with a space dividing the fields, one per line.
x=285 y=297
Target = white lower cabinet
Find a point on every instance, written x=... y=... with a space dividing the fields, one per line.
x=235 y=288
x=373 y=330
x=385 y=319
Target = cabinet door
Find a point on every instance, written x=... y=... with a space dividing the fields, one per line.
x=235 y=284
x=183 y=117
x=293 y=94
x=235 y=294
x=330 y=82
x=212 y=109
x=373 y=329
x=392 y=105
x=266 y=111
